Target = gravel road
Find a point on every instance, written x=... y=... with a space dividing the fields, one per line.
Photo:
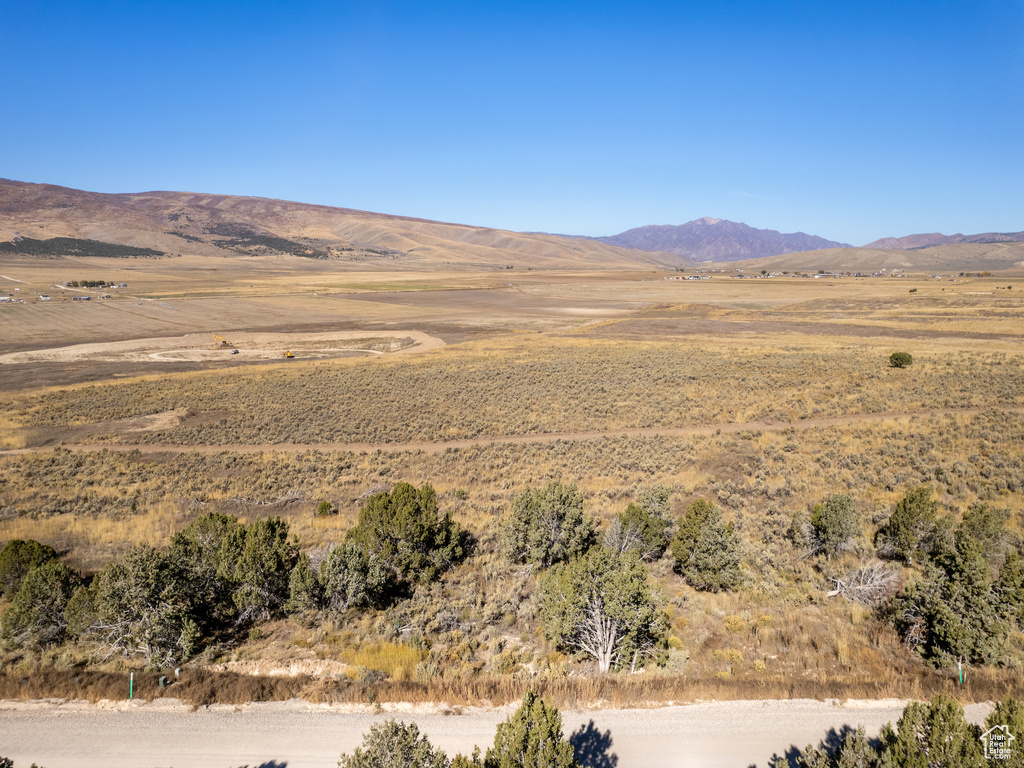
x=295 y=734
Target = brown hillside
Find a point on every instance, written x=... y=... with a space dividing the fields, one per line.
x=222 y=225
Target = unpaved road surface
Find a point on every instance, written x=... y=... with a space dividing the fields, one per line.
x=168 y=420
x=295 y=734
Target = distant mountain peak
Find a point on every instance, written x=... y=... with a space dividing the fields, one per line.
x=711 y=239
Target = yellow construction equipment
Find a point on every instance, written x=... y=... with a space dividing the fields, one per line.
x=223 y=342
x=289 y=354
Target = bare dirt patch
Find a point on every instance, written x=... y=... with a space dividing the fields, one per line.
x=243 y=347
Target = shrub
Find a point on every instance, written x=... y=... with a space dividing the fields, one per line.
x=325 y=509
x=405 y=532
x=900 y=359
x=932 y=734
x=706 y=549
x=205 y=554
x=547 y=526
x=926 y=735
x=836 y=521
x=346 y=578
x=959 y=610
x=139 y=607
x=263 y=570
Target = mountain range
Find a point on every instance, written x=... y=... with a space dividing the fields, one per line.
x=912 y=242
x=710 y=239
x=48 y=220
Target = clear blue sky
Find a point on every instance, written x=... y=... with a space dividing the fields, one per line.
x=849 y=119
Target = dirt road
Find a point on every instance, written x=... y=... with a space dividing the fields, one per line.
x=544 y=437
x=295 y=734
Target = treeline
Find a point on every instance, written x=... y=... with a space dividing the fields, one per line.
x=73 y=246
x=219 y=575
x=89 y=283
x=953 y=589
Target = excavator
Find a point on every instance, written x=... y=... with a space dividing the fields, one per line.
x=289 y=354
x=223 y=342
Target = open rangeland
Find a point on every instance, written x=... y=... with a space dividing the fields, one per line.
x=126 y=418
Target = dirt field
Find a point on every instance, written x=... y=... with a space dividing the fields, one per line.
x=299 y=735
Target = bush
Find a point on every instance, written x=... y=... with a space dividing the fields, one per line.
x=347 y=577
x=547 y=526
x=205 y=554
x=405 y=532
x=836 y=522
x=935 y=734
x=706 y=549
x=325 y=509
x=139 y=607
x=900 y=359
x=960 y=609
x=263 y=570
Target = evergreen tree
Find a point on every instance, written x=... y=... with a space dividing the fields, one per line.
x=547 y=526
x=836 y=523
x=405 y=532
x=37 y=616
x=206 y=553
x=601 y=604
x=932 y=735
x=912 y=527
x=262 y=572
x=140 y=607
x=531 y=738
x=395 y=745
x=638 y=530
x=17 y=558
x=706 y=549
x=1009 y=712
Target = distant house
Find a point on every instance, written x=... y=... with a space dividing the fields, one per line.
x=81 y=298
x=122 y=285
x=44 y=297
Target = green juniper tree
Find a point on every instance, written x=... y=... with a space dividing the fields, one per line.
x=547 y=526
x=601 y=604
x=17 y=558
x=531 y=738
x=836 y=523
x=395 y=745
x=37 y=616
x=706 y=549
x=404 y=530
